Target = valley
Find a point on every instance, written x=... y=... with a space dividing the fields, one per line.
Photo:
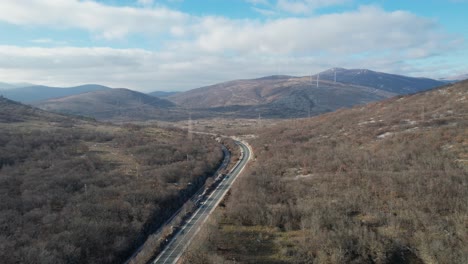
x=269 y=97
x=251 y=131
x=341 y=173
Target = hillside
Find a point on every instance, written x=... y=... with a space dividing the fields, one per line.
x=11 y=112
x=393 y=83
x=287 y=96
x=38 y=92
x=382 y=183
x=277 y=96
x=114 y=104
x=77 y=191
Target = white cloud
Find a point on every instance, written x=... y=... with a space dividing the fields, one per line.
x=265 y=12
x=145 y=2
x=258 y=2
x=366 y=29
x=297 y=6
x=133 y=68
x=48 y=41
x=207 y=49
x=42 y=41
x=369 y=29
x=109 y=22
x=293 y=6
x=306 y=6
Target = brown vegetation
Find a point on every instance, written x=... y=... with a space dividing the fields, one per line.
x=276 y=97
x=120 y=105
x=81 y=192
x=382 y=183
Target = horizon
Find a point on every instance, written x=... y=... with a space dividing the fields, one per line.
x=147 y=45
x=28 y=85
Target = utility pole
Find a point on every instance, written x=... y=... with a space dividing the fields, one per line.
x=423 y=113
x=259 y=119
x=190 y=137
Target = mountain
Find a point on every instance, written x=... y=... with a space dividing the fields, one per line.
x=113 y=104
x=393 y=83
x=288 y=96
x=162 y=94
x=38 y=92
x=13 y=112
x=6 y=86
x=277 y=96
x=456 y=78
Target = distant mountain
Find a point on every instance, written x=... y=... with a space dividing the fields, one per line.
x=288 y=96
x=277 y=96
x=455 y=78
x=393 y=83
x=162 y=94
x=38 y=92
x=12 y=112
x=5 y=86
x=114 y=104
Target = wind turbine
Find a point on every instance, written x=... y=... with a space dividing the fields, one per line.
x=318 y=77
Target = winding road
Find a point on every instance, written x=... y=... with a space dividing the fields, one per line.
x=179 y=243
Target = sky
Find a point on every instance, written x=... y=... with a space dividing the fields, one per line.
x=177 y=45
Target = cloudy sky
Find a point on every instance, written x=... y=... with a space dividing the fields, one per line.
x=150 y=45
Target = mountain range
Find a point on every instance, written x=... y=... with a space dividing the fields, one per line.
x=393 y=83
x=7 y=86
x=288 y=96
x=38 y=93
x=278 y=96
x=455 y=78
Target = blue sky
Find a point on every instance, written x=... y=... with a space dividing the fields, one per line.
x=152 y=45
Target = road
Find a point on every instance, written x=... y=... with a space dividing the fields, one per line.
x=179 y=243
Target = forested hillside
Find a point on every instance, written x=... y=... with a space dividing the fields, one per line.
x=76 y=191
x=381 y=183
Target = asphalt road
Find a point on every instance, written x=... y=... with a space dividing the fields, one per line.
x=179 y=243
